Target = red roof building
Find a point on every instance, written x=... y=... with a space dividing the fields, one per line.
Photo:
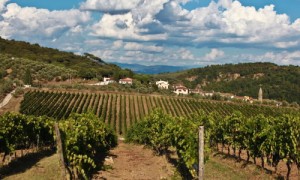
x=126 y=81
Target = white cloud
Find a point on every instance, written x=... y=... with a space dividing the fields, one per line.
x=284 y=58
x=285 y=45
x=256 y=25
x=225 y=22
x=110 y=6
x=158 y=31
x=172 y=13
x=281 y=58
x=122 y=27
x=214 y=54
x=95 y=42
x=2 y=4
x=104 y=54
x=185 y=54
x=117 y=44
x=239 y=25
x=225 y=3
x=131 y=46
x=32 y=23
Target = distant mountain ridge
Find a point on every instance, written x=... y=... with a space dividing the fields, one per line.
x=154 y=69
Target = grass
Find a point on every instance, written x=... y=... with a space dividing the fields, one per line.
x=222 y=167
x=45 y=168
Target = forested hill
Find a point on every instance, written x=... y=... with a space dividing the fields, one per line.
x=86 y=66
x=277 y=82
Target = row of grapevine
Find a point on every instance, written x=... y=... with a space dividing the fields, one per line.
x=84 y=138
x=19 y=131
x=272 y=139
x=120 y=111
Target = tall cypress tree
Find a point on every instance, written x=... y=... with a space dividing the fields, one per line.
x=28 y=78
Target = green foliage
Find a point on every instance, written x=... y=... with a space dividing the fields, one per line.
x=87 y=66
x=161 y=131
x=29 y=70
x=152 y=131
x=85 y=137
x=6 y=86
x=18 y=92
x=60 y=105
x=274 y=138
x=278 y=82
x=28 y=78
x=3 y=73
x=20 y=131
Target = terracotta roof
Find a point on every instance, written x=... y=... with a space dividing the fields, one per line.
x=126 y=79
x=180 y=87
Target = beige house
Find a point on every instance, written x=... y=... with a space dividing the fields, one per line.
x=126 y=81
x=179 y=89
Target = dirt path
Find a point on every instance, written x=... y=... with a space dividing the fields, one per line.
x=136 y=162
x=6 y=99
x=12 y=106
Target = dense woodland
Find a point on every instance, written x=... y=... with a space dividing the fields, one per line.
x=277 y=82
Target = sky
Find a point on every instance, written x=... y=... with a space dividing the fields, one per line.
x=160 y=32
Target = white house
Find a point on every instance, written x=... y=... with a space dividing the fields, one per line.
x=162 y=84
x=126 y=81
x=181 y=90
x=105 y=81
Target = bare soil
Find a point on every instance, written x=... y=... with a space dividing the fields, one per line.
x=131 y=161
x=12 y=106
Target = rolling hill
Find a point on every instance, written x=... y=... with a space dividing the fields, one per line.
x=87 y=66
x=277 y=82
x=47 y=64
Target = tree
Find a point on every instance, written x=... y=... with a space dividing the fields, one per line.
x=28 y=77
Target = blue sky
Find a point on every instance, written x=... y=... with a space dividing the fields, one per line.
x=170 y=32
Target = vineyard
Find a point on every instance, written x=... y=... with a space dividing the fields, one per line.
x=82 y=141
x=121 y=111
x=273 y=140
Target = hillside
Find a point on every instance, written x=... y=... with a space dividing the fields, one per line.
x=277 y=82
x=15 y=68
x=47 y=64
x=87 y=66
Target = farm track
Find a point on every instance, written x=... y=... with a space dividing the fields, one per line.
x=120 y=111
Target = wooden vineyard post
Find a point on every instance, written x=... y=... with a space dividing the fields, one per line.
x=60 y=150
x=201 y=153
